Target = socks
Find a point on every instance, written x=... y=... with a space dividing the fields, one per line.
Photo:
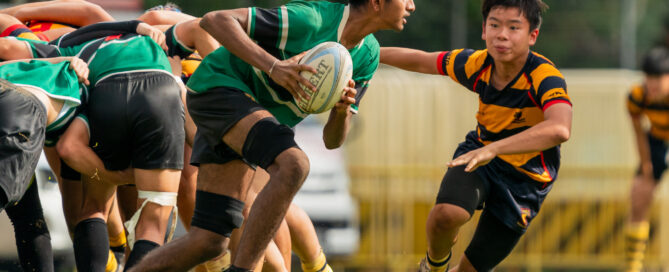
x=91 y=246
x=117 y=244
x=636 y=238
x=141 y=248
x=319 y=265
x=438 y=265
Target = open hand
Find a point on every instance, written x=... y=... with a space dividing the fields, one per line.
x=474 y=159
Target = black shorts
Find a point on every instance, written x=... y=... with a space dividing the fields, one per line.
x=498 y=188
x=214 y=112
x=137 y=120
x=658 y=156
x=22 y=129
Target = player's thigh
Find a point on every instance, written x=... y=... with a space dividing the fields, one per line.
x=157 y=180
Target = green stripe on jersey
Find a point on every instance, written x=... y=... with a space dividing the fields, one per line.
x=284 y=32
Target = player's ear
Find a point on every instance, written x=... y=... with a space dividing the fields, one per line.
x=483 y=31
x=533 y=36
x=376 y=4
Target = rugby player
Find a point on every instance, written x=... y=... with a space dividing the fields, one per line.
x=508 y=164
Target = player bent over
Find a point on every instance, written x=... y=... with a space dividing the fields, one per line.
x=652 y=100
x=32 y=109
x=510 y=161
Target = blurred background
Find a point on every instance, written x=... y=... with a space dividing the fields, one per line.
x=370 y=199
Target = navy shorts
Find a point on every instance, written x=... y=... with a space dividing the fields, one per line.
x=658 y=156
x=511 y=196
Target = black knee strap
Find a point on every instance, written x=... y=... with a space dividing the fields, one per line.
x=217 y=213
x=266 y=140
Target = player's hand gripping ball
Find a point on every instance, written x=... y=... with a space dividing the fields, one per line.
x=334 y=70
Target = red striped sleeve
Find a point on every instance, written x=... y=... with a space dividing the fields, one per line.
x=441 y=63
x=556 y=101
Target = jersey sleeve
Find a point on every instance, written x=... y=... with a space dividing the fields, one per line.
x=365 y=74
x=462 y=65
x=550 y=86
x=276 y=27
x=635 y=101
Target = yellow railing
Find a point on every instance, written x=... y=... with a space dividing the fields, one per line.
x=408 y=127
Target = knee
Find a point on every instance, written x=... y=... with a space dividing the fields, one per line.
x=292 y=166
x=446 y=217
x=67 y=148
x=210 y=245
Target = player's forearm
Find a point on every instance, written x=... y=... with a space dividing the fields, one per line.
x=643 y=148
x=229 y=32
x=540 y=137
x=410 y=59
x=336 y=129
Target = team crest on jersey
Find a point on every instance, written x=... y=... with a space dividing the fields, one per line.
x=518 y=117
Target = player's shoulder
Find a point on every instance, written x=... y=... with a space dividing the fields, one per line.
x=637 y=92
x=542 y=66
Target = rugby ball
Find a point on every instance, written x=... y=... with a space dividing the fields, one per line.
x=334 y=70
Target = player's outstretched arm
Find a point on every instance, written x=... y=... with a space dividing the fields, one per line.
x=642 y=146
x=554 y=130
x=410 y=59
x=228 y=27
x=78 y=13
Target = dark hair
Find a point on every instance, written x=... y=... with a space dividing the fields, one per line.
x=357 y=3
x=656 y=61
x=531 y=9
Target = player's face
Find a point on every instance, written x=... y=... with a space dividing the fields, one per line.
x=657 y=86
x=394 y=12
x=507 y=34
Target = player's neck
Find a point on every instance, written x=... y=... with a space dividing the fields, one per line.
x=504 y=72
x=358 y=25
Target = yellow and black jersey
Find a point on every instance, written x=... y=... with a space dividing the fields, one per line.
x=519 y=106
x=656 y=111
x=189 y=65
x=22 y=31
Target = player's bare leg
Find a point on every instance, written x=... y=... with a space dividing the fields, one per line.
x=443 y=224
x=638 y=229
x=304 y=240
x=234 y=178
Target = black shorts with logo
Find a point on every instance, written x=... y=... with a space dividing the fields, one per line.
x=22 y=130
x=214 y=112
x=137 y=120
x=511 y=196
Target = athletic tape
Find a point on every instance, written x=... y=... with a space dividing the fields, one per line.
x=160 y=198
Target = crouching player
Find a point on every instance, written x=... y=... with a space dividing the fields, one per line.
x=652 y=100
x=32 y=109
x=509 y=162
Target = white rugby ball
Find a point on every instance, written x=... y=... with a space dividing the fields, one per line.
x=334 y=70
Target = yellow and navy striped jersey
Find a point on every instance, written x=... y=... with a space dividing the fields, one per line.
x=519 y=106
x=657 y=112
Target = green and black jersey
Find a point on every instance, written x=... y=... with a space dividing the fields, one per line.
x=57 y=81
x=120 y=54
x=285 y=32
